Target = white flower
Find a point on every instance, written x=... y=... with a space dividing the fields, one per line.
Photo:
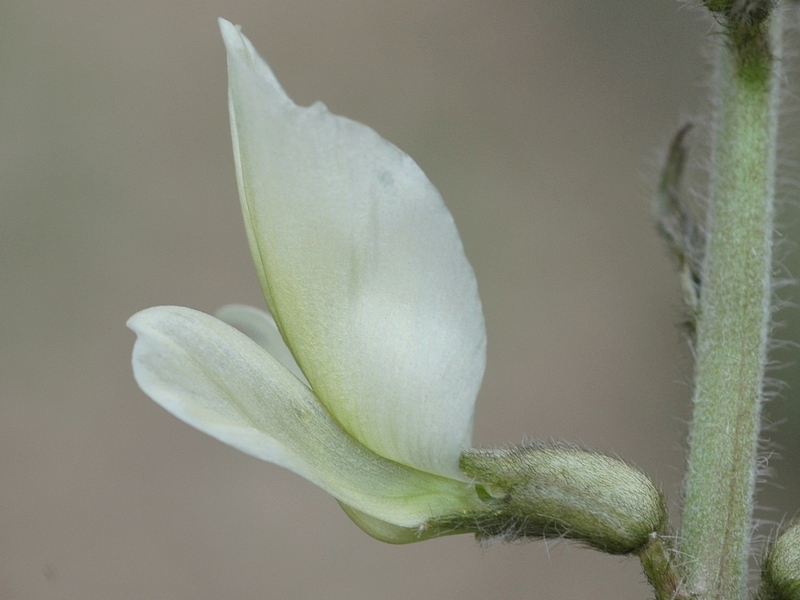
x=365 y=275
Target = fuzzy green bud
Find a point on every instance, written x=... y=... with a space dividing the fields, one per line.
x=556 y=490
x=780 y=573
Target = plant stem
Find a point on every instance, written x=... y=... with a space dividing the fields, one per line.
x=732 y=329
x=658 y=563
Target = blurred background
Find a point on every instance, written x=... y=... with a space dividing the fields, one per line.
x=541 y=123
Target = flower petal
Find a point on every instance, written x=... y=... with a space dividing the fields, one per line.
x=260 y=327
x=395 y=534
x=221 y=382
x=361 y=266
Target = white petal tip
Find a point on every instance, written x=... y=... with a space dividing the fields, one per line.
x=137 y=321
x=228 y=29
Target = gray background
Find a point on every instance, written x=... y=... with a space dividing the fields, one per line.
x=542 y=125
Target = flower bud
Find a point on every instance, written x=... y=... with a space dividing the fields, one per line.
x=780 y=573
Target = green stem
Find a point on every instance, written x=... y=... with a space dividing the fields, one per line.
x=658 y=563
x=732 y=329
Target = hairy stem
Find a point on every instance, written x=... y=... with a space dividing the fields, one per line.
x=659 y=565
x=732 y=328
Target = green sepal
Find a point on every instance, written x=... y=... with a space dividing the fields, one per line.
x=557 y=490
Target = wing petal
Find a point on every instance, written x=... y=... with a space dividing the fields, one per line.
x=218 y=380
